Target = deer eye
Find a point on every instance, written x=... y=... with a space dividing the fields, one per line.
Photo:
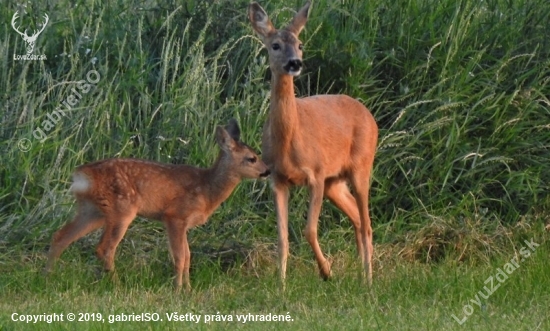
x=276 y=47
x=301 y=46
x=252 y=159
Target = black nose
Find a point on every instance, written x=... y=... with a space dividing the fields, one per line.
x=266 y=173
x=293 y=65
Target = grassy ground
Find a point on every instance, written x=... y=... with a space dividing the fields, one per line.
x=459 y=90
x=405 y=296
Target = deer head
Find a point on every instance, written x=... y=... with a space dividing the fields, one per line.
x=30 y=40
x=283 y=46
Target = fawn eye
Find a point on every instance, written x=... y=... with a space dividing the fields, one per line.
x=301 y=46
x=252 y=159
x=276 y=47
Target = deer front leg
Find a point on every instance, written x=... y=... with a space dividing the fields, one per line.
x=187 y=262
x=316 y=188
x=179 y=248
x=281 y=193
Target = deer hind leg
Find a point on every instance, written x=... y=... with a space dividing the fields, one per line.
x=179 y=248
x=316 y=189
x=280 y=195
x=360 y=182
x=338 y=193
x=115 y=228
x=88 y=218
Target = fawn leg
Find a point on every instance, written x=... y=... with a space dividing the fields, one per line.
x=179 y=248
x=86 y=220
x=115 y=228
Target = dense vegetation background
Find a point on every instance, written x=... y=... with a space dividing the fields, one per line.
x=459 y=89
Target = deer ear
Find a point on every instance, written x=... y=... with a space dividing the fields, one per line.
x=259 y=19
x=224 y=139
x=233 y=129
x=300 y=19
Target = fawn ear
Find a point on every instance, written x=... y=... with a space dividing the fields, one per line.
x=233 y=129
x=224 y=139
x=299 y=20
x=259 y=19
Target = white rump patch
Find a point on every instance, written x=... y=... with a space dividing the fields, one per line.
x=81 y=183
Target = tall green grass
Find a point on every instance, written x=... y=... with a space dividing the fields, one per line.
x=459 y=89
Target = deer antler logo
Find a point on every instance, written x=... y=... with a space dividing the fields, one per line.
x=30 y=40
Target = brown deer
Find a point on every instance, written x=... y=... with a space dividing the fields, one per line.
x=324 y=142
x=111 y=193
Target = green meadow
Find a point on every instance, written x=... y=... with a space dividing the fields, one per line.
x=459 y=200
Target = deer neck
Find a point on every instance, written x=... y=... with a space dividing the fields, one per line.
x=283 y=114
x=220 y=182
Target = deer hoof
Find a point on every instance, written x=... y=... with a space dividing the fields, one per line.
x=325 y=271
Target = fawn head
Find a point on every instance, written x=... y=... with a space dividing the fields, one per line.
x=283 y=46
x=237 y=154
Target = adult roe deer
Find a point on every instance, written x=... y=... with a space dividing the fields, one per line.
x=323 y=142
x=111 y=193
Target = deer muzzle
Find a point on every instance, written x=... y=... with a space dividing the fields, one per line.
x=293 y=67
x=265 y=173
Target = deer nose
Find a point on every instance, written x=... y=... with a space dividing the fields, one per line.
x=265 y=174
x=293 y=65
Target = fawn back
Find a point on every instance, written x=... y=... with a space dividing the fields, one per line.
x=111 y=193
